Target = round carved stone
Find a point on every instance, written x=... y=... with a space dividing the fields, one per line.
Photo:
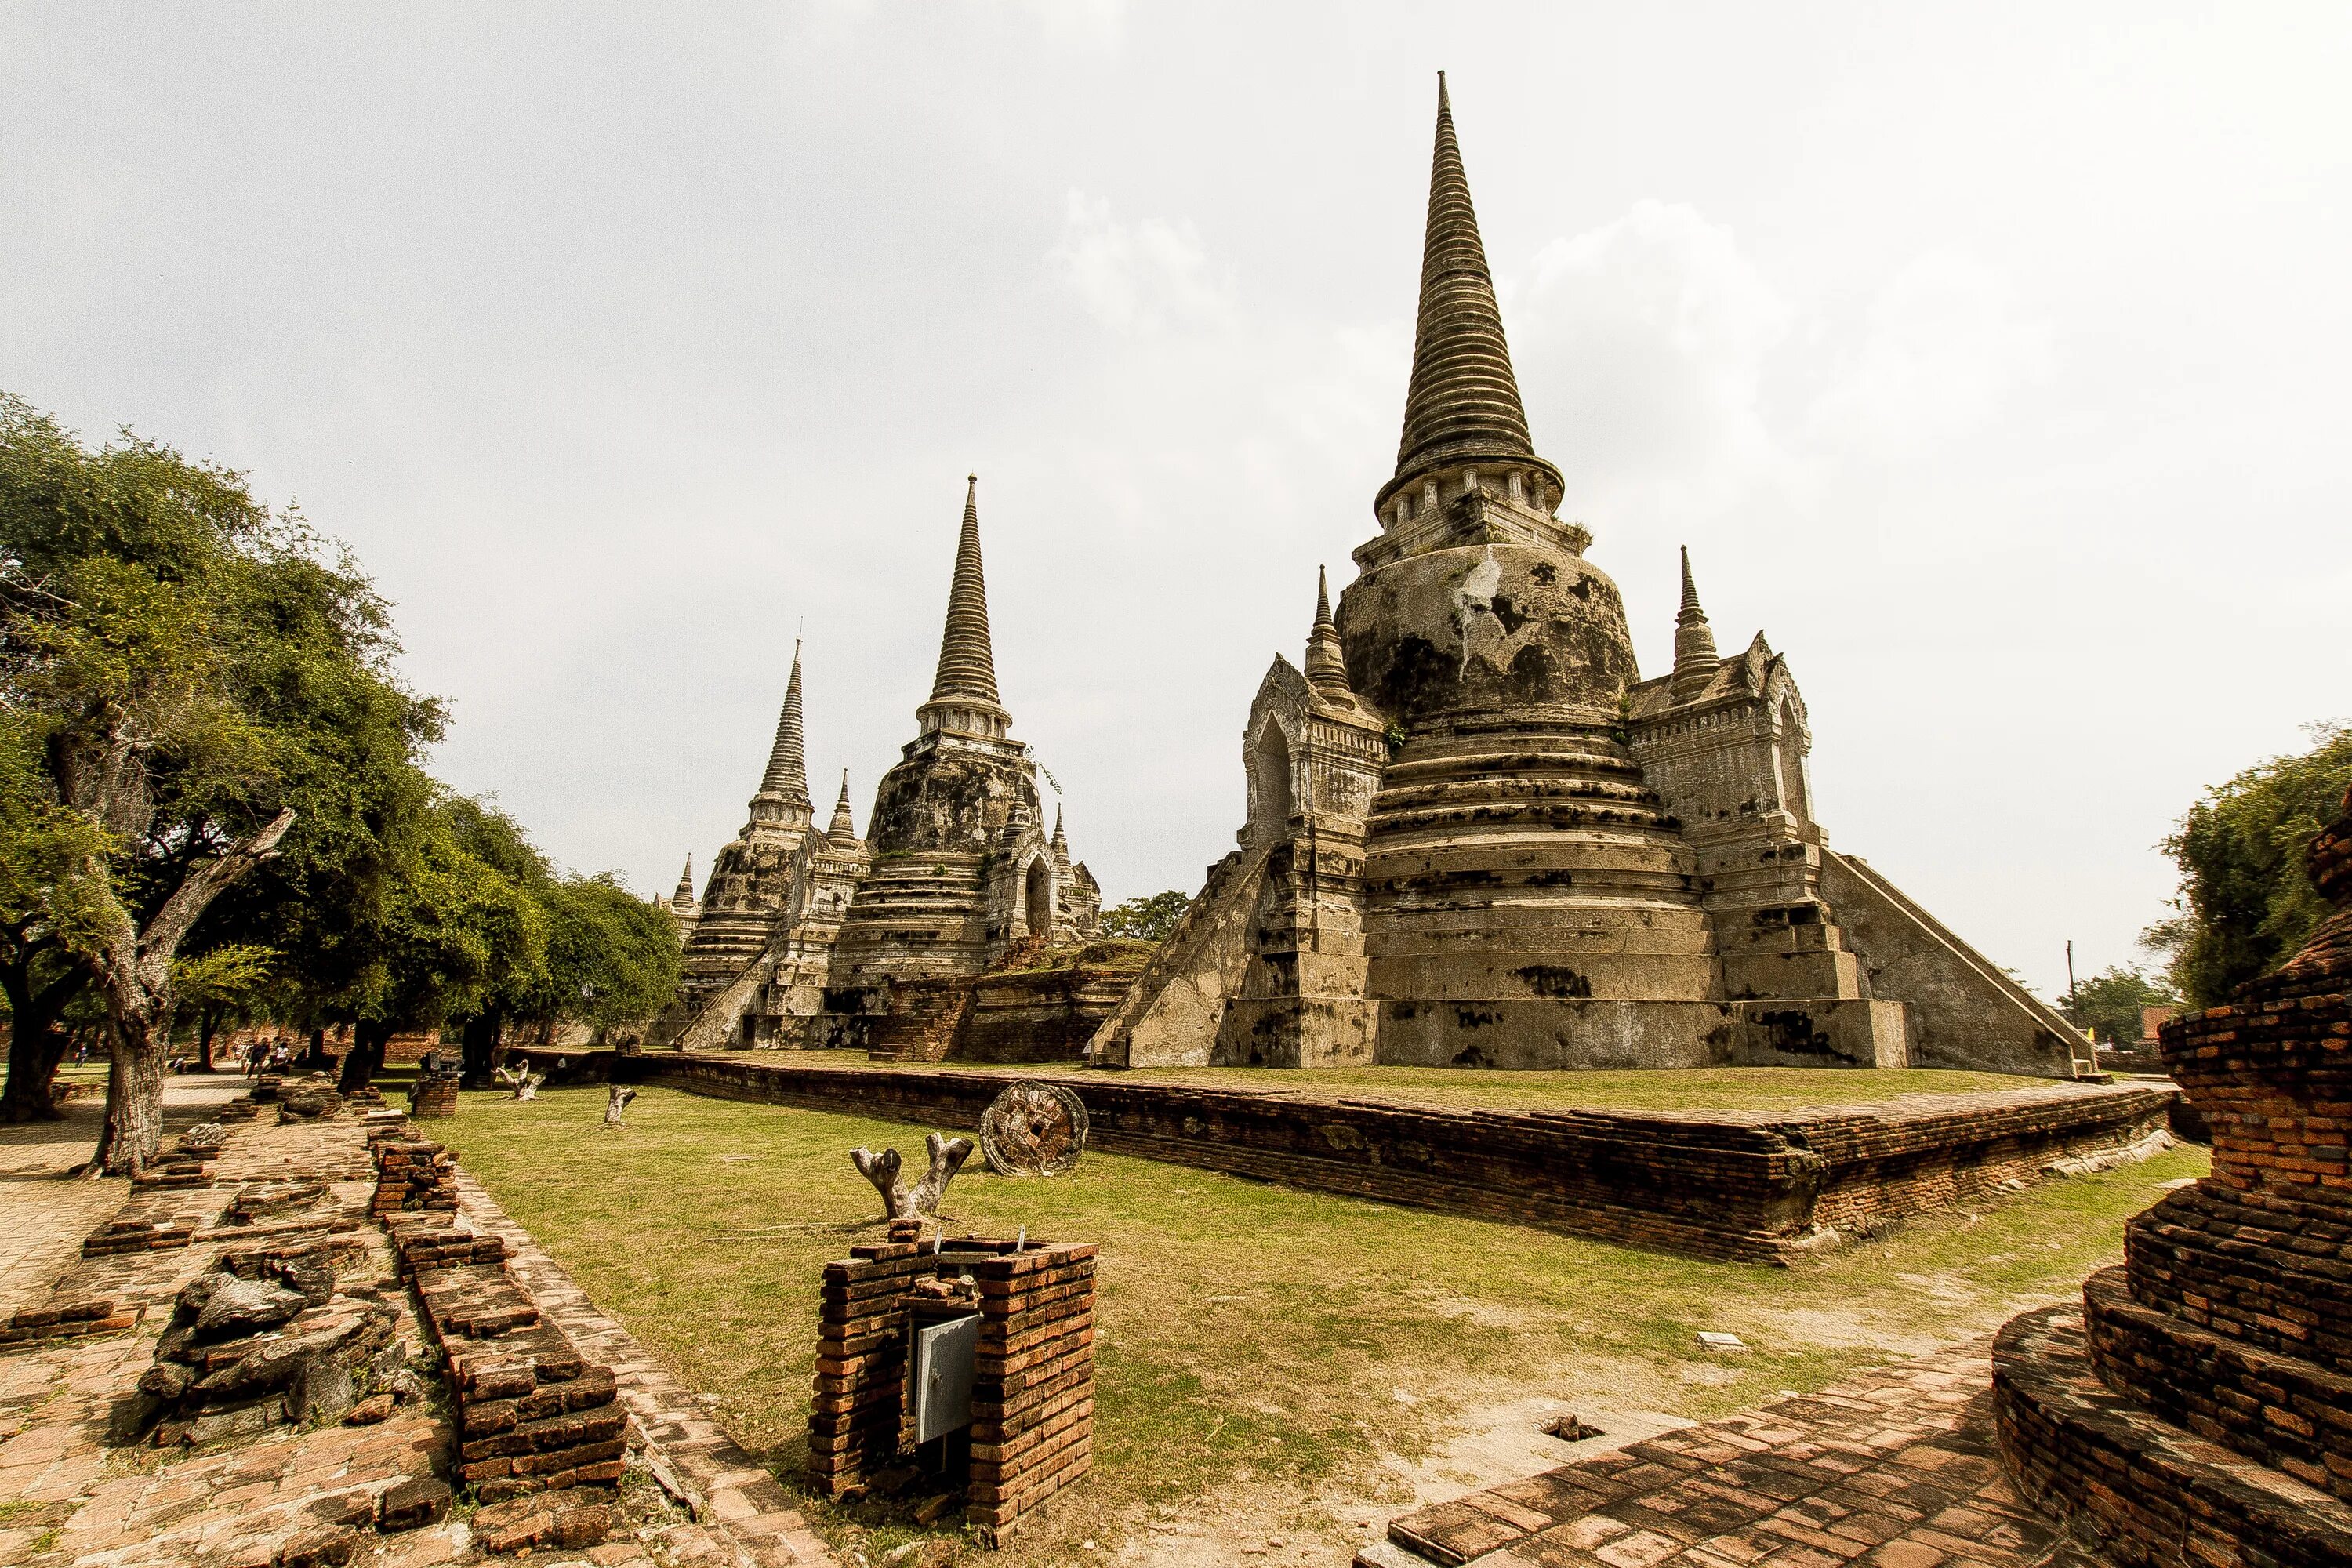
x=1033 y=1129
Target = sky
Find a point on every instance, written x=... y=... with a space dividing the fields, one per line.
x=1990 y=359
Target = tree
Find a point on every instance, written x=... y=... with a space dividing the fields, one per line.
x=2106 y=1006
x=2245 y=903
x=168 y=649
x=41 y=843
x=611 y=958
x=1152 y=918
x=221 y=983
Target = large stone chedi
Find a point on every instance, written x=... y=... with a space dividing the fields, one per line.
x=1478 y=836
x=810 y=938
x=2197 y=1407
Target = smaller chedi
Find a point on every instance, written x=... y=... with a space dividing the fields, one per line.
x=1478 y=836
x=808 y=939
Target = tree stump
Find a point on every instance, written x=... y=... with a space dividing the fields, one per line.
x=616 y=1100
x=900 y=1201
x=522 y=1080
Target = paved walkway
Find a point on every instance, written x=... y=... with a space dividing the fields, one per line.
x=1896 y=1469
x=69 y=1498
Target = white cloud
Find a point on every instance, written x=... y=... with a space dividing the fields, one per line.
x=1642 y=346
x=1945 y=347
x=1141 y=278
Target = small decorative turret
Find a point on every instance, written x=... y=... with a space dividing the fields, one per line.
x=843 y=831
x=682 y=900
x=1061 y=846
x=1327 y=658
x=963 y=694
x=782 y=800
x=1696 y=660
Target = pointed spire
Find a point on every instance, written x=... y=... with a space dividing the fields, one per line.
x=684 y=894
x=1463 y=404
x=967 y=663
x=845 y=827
x=1326 y=657
x=1695 y=656
x=1060 y=844
x=787 y=775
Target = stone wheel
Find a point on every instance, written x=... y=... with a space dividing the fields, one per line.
x=1033 y=1129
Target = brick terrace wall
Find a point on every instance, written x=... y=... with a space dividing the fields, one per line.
x=1033 y=1383
x=532 y=1414
x=1730 y=1187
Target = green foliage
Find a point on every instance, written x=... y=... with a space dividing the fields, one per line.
x=2245 y=902
x=2106 y=1006
x=611 y=957
x=1152 y=918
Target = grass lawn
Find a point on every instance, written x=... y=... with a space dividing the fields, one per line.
x=1694 y=1090
x=1289 y=1364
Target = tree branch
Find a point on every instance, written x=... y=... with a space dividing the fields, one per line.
x=162 y=938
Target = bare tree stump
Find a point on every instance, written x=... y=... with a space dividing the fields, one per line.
x=522 y=1080
x=900 y=1201
x=616 y=1100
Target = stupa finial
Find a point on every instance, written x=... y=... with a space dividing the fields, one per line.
x=967 y=672
x=1696 y=660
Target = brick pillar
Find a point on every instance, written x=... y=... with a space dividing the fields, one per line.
x=1033 y=1402
x=861 y=1363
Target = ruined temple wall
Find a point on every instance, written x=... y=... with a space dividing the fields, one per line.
x=1965 y=1012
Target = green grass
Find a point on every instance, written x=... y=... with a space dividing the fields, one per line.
x=1252 y=1338
x=1697 y=1090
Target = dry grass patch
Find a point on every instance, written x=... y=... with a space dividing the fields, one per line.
x=1277 y=1351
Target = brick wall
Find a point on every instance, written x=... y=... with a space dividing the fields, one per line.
x=1732 y=1188
x=1033 y=1388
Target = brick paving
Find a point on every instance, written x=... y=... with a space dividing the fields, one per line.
x=1896 y=1469
x=70 y=1497
x=741 y=1505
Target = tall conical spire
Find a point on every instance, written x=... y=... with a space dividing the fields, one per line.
x=783 y=797
x=844 y=829
x=1462 y=405
x=684 y=894
x=963 y=695
x=1327 y=658
x=1695 y=656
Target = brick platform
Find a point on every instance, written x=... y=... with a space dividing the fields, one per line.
x=1757 y=1187
x=1894 y=1470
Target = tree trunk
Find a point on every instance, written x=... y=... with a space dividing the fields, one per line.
x=32 y=1059
x=479 y=1047
x=36 y=1044
x=134 y=970
x=365 y=1060
x=135 y=1099
x=207 y=1025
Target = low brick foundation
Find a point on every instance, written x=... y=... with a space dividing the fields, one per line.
x=1032 y=1432
x=1751 y=1187
x=533 y=1414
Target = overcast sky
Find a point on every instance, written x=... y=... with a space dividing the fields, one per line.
x=1993 y=360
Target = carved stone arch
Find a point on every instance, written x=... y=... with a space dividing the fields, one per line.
x=1791 y=743
x=1272 y=757
x=1037 y=895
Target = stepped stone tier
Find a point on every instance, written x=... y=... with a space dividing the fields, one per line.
x=2198 y=1406
x=1478 y=836
x=813 y=940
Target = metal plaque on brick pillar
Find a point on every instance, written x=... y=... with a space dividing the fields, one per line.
x=944 y=1354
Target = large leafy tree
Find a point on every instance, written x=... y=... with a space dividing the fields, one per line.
x=2245 y=902
x=175 y=665
x=1151 y=919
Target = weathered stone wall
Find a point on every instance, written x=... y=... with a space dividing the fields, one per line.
x=1719 y=1187
x=1965 y=1012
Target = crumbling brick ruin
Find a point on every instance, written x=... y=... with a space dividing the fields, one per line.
x=1032 y=1406
x=804 y=939
x=2201 y=1394
x=1478 y=836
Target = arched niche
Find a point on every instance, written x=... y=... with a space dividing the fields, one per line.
x=1037 y=898
x=1790 y=756
x=1271 y=800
